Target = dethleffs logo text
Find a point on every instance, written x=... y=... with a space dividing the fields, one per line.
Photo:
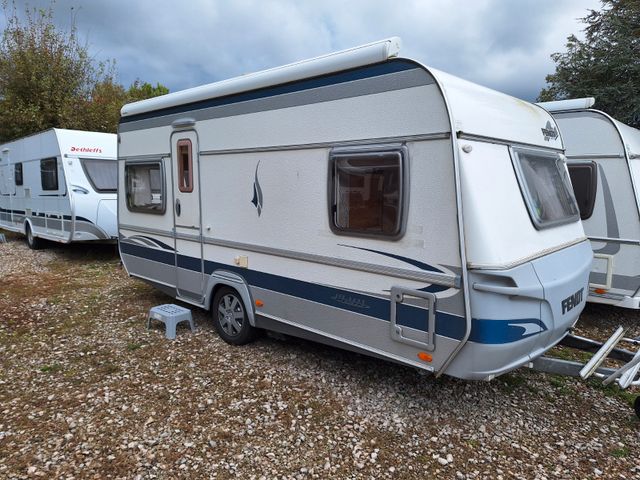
x=86 y=149
x=549 y=132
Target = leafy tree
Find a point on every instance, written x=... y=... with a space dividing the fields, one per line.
x=48 y=79
x=605 y=65
x=142 y=90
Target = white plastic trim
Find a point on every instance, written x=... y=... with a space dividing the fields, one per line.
x=351 y=58
x=564 y=105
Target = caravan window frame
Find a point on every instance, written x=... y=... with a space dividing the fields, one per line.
x=185 y=185
x=592 y=188
x=83 y=163
x=163 y=187
x=55 y=175
x=400 y=152
x=529 y=196
x=18 y=167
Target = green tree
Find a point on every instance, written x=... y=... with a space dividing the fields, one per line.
x=605 y=65
x=142 y=90
x=48 y=79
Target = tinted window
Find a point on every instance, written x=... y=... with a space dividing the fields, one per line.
x=103 y=174
x=185 y=170
x=546 y=187
x=584 y=178
x=17 y=173
x=367 y=192
x=49 y=174
x=145 y=187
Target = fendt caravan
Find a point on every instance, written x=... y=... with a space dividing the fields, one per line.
x=60 y=185
x=362 y=200
x=604 y=162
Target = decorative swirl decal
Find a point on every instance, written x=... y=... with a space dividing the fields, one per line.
x=257 y=192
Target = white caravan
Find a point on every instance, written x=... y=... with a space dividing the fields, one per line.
x=60 y=185
x=362 y=200
x=604 y=162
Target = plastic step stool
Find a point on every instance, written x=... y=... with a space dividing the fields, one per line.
x=170 y=315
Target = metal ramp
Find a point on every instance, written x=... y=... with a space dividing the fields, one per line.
x=625 y=375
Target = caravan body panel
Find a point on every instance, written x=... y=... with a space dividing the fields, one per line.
x=54 y=195
x=614 y=225
x=330 y=196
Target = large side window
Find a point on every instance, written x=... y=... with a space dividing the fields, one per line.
x=17 y=174
x=546 y=188
x=102 y=174
x=49 y=174
x=367 y=191
x=144 y=183
x=584 y=178
x=185 y=166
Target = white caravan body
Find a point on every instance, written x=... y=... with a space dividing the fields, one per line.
x=609 y=199
x=60 y=185
x=362 y=200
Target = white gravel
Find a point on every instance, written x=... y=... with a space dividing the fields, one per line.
x=87 y=392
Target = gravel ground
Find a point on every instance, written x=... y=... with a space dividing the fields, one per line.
x=87 y=392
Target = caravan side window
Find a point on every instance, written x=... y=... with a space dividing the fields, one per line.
x=584 y=178
x=367 y=188
x=546 y=187
x=17 y=174
x=185 y=166
x=49 y=174
x=144 y=183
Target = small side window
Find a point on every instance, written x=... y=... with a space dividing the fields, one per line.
x=144 y=184
x=584 y=178
x=17 y=174
x=367 y=192
x=185 y=166
x=49 y=174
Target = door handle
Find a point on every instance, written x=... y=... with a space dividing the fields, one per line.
x=178 y=207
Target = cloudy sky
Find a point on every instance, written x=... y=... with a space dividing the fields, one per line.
x=503 y=44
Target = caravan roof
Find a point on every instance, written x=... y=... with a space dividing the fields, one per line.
x=608 y=135
x=473 y=110
x=69 y=142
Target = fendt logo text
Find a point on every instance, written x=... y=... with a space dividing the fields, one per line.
x=570 y=302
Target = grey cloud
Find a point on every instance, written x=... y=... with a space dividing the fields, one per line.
x=501 y=44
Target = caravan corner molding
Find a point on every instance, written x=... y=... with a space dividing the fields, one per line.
x=363 y=200
x=604 y=162
x=60 y=185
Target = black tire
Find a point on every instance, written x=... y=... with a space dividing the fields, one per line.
x=33 y=242
x=230 y=317
x=636 y=406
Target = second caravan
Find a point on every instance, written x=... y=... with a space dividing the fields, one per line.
x=60 y=185
x=604 y=162
x=363 y=200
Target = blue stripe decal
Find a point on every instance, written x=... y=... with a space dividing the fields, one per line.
x=486 y=331
x=369 y=71
x=410 y=261
x=40 y=214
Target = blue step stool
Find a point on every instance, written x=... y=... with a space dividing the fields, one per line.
x=170 y=315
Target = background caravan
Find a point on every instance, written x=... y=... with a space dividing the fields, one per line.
x=60 y=185
x=362 y=200
x=604 y=163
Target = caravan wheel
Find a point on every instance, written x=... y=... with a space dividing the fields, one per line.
x=33 y=242
x=230 y=317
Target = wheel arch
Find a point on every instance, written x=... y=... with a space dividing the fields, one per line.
x=224 y=278
x=27 y=223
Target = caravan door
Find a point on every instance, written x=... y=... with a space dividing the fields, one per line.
x=186 y=214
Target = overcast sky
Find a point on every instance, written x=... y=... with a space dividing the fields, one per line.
x=503 y=44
